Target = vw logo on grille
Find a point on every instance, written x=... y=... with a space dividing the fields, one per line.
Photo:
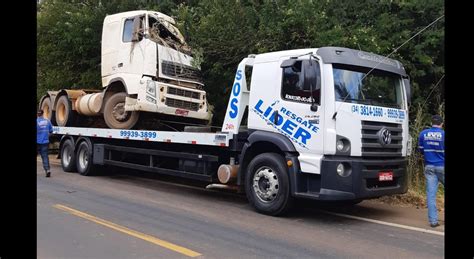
x=385 y=136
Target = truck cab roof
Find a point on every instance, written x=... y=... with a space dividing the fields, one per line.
x=339 y=55
x=119 y=16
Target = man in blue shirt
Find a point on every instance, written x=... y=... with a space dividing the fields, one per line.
x=431 y=145
x=43 y=130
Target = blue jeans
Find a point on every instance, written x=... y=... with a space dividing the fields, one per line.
x=433 y=175
x=43 y=150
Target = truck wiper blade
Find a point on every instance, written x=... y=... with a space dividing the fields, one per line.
x=366 y=101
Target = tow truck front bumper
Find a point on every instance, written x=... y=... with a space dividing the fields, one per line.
x=362 y=183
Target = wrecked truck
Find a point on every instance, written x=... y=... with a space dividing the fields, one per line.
x=146 y=68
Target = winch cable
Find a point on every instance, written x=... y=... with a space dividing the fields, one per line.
x=434 y=87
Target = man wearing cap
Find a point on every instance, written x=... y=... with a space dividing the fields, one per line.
x=431 y=145
x=43 y=129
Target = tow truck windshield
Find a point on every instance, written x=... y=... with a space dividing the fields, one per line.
x=378 y=88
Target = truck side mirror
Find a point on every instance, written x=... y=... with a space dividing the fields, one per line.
x=406 y=82
x=136 y=35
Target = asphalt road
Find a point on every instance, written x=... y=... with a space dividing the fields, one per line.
x=127 y=215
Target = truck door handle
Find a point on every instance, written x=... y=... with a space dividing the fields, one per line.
x=275 y=117
x=120 y=64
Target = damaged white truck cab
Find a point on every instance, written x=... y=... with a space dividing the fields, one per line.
x=146 y=67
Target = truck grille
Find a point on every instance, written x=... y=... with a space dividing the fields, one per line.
x=182 y=104
x=371 y=146
x=184 y=93
x=177 y=70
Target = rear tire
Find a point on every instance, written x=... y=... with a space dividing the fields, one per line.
x=84 y=159
x=115 y=115
x=267 y=184
x=68 y=157
x=65 y=116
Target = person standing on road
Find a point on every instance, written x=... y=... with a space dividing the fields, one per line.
x=43 y=130
x=431 y=145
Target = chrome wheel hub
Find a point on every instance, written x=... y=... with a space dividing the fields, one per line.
x=265 y=184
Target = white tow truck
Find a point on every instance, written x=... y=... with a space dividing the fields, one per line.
x=327 y=123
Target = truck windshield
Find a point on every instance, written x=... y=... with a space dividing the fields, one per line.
x=166 y=34
x=379 y=88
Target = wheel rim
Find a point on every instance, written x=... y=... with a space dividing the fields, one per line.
x=119 y=113
x=61 y=110
x=66 y=156
x=266 y=184
x=46 y=111
x=83 y=158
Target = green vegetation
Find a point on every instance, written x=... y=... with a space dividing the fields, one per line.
x=224 y=32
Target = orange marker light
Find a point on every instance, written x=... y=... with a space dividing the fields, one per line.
x=289 y=163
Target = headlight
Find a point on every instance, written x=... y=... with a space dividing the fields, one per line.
x=340 y=145
x=340 y=169
x=344 y=169
x=343 y=145
x=151 y=88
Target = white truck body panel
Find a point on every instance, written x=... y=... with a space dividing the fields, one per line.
x=239 y=99
x=301 y=125
x=330 y=132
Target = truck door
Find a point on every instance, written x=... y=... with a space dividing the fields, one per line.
x=132 y=47
x=302 y=117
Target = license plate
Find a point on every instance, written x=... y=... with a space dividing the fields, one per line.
x=386 y=176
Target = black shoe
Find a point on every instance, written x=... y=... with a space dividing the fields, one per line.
x=48 y=174
x=433 y=225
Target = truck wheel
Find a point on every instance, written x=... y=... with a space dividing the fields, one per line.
x=115 y=115
x=47 y=109
x=68 y=158
x=84 y=159
x=267 y=184
x=64 y=114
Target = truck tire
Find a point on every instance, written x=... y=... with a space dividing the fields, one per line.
x=47 y=109
x=84 y=159
x=65 y=116
x=115 y=115
x=68 y=157
x=267 y=184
